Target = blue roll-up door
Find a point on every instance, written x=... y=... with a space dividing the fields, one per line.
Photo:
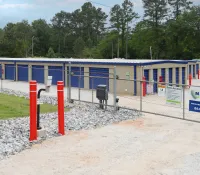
x=22 y=72
x=10 y=72
x=56 y=72
x=99 y=72
x=197 y=68
x=146 y=75
x=193 y=71
x=190 y=69
x=170 y=75
x=163 y=74
x=177 y=76
x=38 y=73
x=0 y=71
x=78 y=75
x=183 y=75
x=155 y=78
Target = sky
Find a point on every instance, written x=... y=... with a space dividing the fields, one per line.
x=18 y=10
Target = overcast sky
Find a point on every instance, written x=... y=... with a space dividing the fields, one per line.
x=17 y=10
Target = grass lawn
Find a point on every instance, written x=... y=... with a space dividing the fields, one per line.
x=12 y=106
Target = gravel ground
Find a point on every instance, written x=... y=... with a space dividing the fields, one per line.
x=150 y=145
x=14 y=133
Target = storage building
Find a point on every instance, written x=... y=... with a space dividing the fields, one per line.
x=84 y=72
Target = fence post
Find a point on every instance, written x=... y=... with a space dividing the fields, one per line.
x=141 y=92
x=33 y=110
x=115 y=88
x=61 y=119
x=2 y=78
x=144 y=86
x=69 y=83
x=2 y=72
x=79 y=85
x=183 y=102
x=190 y=80
x=92 y=91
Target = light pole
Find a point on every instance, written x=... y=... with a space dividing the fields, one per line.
x=32 y=46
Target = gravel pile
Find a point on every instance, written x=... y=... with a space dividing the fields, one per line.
x=14 y=133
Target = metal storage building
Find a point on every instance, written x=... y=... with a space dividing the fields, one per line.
x=26 y=69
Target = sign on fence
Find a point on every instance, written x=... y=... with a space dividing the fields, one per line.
x=149 y=88
x=174 y=95
x=194 y=103
x=161 y=90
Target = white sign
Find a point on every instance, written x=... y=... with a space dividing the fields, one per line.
x=161 y=90
x=174 y=96
x=195 y=93
x=149 y=88
x=194 y=102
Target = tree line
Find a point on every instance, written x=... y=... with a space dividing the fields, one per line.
x=171 y=28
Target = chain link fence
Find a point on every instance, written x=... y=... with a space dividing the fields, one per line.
x=166 y=99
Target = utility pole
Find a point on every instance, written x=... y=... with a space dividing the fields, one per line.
x=112 y=49
x=118 y=47
x=151 y=53
x=32 y=46
x=65 y=43
x=127 y=40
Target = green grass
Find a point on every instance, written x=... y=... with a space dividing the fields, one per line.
x=12 y=106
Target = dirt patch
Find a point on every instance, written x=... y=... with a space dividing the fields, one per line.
x=79 y=135
x=132 y=123
x=89 y=159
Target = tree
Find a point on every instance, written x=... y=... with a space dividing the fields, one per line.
x=51 y=53
x=16 y=41
x=42 y=33
x=79 y=46
x=155 y=13
x=178 y=6
x=61 y=23
x=187 y=28
x=1 y=34
x=108 y=46
x=99 y=24
x=116 y=13
x=121 y=17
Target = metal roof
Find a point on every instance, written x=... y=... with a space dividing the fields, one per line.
x=127 y=62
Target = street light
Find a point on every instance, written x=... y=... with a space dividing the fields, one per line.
x=32 y=46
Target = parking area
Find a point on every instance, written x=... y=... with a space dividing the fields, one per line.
x=150 y=145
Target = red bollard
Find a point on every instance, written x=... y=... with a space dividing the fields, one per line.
x=198 y=74
x=61 y=119
x=190 y=80
x=160 y=79
x=144 y=86
x=33 y=110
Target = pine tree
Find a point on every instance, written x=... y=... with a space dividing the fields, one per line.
x=51 y=53
x=79 y=46
x=121 y=17
x=179 y=5
x=155 y=11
